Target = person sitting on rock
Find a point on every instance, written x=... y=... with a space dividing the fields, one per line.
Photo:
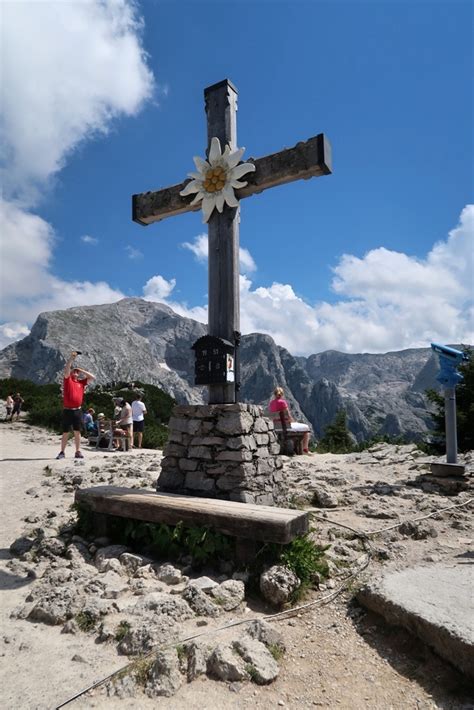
x=277 y=405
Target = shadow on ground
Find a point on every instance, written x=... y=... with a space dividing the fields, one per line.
x=414 y=660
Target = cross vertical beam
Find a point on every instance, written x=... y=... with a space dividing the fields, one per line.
x=224 y=297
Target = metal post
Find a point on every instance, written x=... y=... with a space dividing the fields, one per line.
x=450 y=423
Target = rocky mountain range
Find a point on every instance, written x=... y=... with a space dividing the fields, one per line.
x=135 y=339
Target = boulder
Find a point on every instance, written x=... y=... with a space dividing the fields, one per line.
x=229 y=595
x=164 y=677
x=263 y=667
x=224 y=664
x=277 y=584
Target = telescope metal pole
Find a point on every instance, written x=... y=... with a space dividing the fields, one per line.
x=450 y=423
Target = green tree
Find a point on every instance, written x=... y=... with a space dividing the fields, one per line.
x=464 y=408
x=337 y=438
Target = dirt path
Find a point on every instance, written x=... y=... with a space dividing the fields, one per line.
x=338 y=656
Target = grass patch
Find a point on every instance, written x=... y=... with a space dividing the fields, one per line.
x=181 y=651
x=85 y=621
x=122 y=630
x=140 y=670
x=252 y=672
x=276 y=650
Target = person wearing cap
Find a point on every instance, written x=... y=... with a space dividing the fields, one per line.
x=75 y=380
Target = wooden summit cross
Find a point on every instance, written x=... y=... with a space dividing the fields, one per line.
x=307 y=159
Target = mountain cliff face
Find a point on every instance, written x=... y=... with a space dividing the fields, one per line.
x=139 y=340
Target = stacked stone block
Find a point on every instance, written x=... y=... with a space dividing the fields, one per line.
x=227 y=451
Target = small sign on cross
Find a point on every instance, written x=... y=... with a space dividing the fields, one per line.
x=311 y=158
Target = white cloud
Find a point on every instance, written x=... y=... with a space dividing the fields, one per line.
x=247 y=264
x=200 y=250
x=87 y=239
x=387 y=301
x=12 y=331
x=27 y=285
x=133 y=253
x=158 y=288
x=68 y=68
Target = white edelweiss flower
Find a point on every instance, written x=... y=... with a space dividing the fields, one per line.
x=216 y=179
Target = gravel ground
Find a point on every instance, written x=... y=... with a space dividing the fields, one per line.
x=337 y=655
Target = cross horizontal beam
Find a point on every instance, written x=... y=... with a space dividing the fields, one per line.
x=311 y=158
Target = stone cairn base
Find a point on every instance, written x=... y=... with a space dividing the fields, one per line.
x=226 y=451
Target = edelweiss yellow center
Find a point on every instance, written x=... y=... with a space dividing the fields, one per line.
x=215 y=179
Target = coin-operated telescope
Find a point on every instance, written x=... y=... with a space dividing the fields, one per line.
x=449 y=377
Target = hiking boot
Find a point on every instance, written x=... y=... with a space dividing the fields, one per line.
x=61 y=455
x=78 y=455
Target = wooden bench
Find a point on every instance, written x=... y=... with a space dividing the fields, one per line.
x=291 y=442
x=240 y=520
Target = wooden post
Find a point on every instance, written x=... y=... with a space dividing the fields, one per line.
x=224 y=297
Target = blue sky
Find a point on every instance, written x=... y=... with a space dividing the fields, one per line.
x=105 y=99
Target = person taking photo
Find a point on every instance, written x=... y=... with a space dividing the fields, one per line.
x=75 y=381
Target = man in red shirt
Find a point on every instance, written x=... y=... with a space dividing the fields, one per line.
x=73 y=394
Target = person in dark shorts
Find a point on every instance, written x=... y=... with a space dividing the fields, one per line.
x=73 y=394
x=138 y=415
x=17 y=403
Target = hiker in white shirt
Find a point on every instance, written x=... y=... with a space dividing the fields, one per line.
x=138 y=414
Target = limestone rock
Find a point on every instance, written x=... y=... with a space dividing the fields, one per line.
x=132 y=562
x=277 y=584
x=229 y=594
x=107 y=553
x=159 y=603
x=324 y=498
x=199 y=602
x=168 y=574
x=145 y=635
x=164 y=677
x=225 y=664
x=267 y=634
x=264 y=668
x=197 y=654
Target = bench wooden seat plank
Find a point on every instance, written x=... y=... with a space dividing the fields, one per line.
x=242 y=520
